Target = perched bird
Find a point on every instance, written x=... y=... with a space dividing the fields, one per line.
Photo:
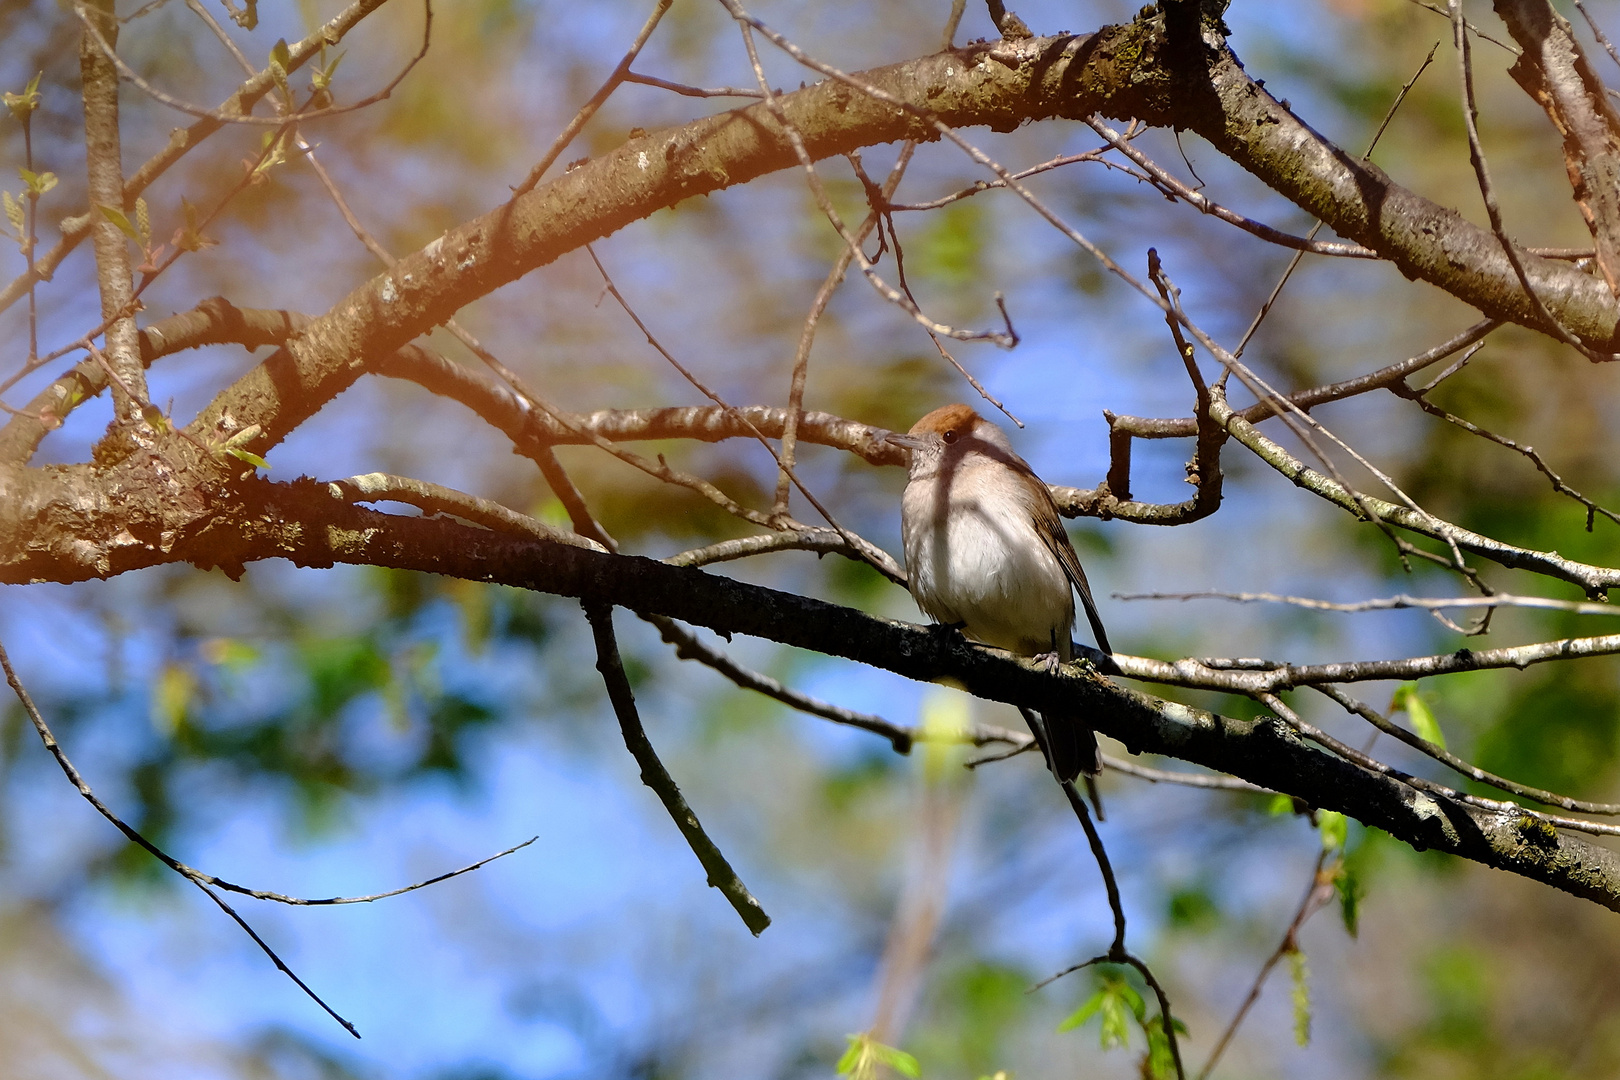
x=986 y=551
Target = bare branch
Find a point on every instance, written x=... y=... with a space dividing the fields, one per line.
x=655 y=776
x=225 y=116
x=1175 y=189
x=183 y=140
x=1446 y=757
x=620 y=74
x=1392 y=603
x=1317 y=895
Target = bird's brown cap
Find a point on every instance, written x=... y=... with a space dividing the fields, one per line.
x=957 y=418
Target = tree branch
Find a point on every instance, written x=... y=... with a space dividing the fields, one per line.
x=303 y=523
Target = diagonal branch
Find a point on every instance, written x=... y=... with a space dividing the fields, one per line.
x=655 y=776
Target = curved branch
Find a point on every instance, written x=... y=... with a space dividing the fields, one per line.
x=1186 y=76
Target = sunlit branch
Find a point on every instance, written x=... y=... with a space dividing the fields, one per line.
x=1383 y=378
x=820 y=541
x=620 y=74
x=689 y=91
x=1185 y=779
x=1392 y=603
x=437 y=499
x=1371 y=764
x=1447 y=758
x=1263 y=676
x=1593 y=579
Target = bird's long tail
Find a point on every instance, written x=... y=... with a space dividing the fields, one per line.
x=1070 y=747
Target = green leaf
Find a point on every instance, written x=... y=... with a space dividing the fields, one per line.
x=23 y=105
x=1280 y=804
x=866 y=1054
x=1116 y=1002
x=1086 y=1011
x=1301 y=996
x=117 y=217
x=852 y=1056
x=1424 y=723
x=154 y=416
x=321 y=79
x=143 y=222
x=898 y=1060
x=14 y=213
x=248 y=456
x=1161 y=1062
x=1351 y=888
x=280 y=54
x=172 y=695
x=1335 y=829
x=1115 y=1023
x=38 y=183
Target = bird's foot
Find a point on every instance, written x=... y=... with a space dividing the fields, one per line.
x=1048 y=661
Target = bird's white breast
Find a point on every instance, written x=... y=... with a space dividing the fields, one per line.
x=973 y=556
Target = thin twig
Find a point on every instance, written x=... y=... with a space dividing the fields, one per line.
x=437 y=499
x=222 y=117
x=202 y=881
x=1392 y=603
x=655 y=776
x=1293 y=264
x=76 y=227
x=689 y=91
x=1447 y=758
x=1197 y=780
x=1597 y=32
x=1317 y=895
x=807 y=334
x=1176 y=190
x=1476 y=31
x=879 y=560
x=1117 y=953
x=588 y=110
x=820 y=541
x=796 y=140
x=1421 y=399
x=660 y=470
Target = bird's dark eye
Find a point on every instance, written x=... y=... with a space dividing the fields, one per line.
x=949 y=436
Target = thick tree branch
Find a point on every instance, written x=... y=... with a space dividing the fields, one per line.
x=103 y=154
x=1554 y=71
x=303 y=523
x=1130 y=70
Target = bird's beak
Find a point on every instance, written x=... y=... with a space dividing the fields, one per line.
x=905 y=442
